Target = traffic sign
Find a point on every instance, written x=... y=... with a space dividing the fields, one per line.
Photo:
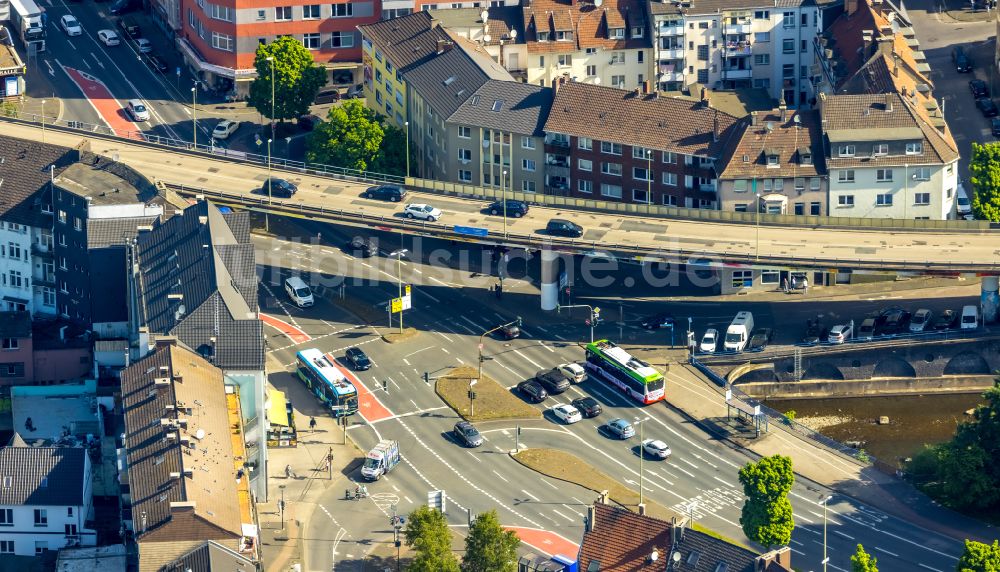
x=470 y=230
x=397 y=305
x=407 y=290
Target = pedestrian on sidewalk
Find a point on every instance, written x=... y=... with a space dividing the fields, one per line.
x=288 y=472
x=312 y=423
x=784 y=284
x=793 y=282
x=805 y=285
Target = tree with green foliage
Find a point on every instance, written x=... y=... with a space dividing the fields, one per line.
x=964 y=473
x=861 y=561
x=979 y=557
x=490 y=548
x=351 y=137
x=767 y=512
x=427 y=532
x=296 y=78
x=984 y=169
x=391 y=158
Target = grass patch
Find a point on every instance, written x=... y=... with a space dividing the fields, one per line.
x=572 y=469
x=493 y=401
x=394 y=336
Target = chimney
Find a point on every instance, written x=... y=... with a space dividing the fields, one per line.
x=850 y=7
x=603 y=497
x=867 y=38
x=753 y=118
x=895 y=66
x=443 y=46
x=715 y=126
x=705 y=100
x=642 y=509
x=783 y=108
x=591 y=513
x=647 y=86
x=555 y=85
x=780 y=556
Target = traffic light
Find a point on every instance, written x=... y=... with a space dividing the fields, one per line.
x=385 y=386
x=427 y=378
x=519 y=321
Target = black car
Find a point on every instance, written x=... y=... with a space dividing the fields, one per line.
x=156 y=63
x=124 y=6
x=813 y=331
x=656 y=321
x=509 y=331
x=553 y=380
x=309 y=122
x=516 y=209
x=560 y=227
x=467 y=434
x=759 y=340
x=963 y=63
x=891 y=321
x=363 y=246
x=359 y=359
x=278 y=188
x=393 y=193
x=533 y=391
x=987 y=107
x=946 y=320
x=978 y=88
x=995 y=127
x=588 y=406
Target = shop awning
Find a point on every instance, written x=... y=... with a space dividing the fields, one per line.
x=277 y=414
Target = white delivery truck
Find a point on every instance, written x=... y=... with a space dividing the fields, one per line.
x=738 y=333
x=380 y=460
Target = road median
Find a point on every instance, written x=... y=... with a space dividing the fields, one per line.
x=492 y=401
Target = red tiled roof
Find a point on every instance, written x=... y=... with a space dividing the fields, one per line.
x=622 y=541
x=589 y=25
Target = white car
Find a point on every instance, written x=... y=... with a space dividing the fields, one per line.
x=567 y=413
x=71 y=25
x=225 y=128
x=144 y=45
x=109 y=37
x=840 y=333
x=137 y=110
x=921 y=318
x=424 y=212
x=655 y=448
x=574 y=372
x=709 y=341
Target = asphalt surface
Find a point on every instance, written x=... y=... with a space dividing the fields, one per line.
x=700 y=477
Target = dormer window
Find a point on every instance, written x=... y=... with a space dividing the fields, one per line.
x=805 y=157
x=846 y=150
x=543 y=36
x=564 y=36
x=771 y=155
x=637 y=31
x=616 y=33
x=880 y=149
x=914 y=148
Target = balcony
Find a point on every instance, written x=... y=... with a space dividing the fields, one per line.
x=671 y=53
x=40 y=249
x=557 y=160
x=741 y=27
x=736 y=49
x=707 y=188
x=45 y=279
x=736 y=73
x=672 y=76
x=671 y=30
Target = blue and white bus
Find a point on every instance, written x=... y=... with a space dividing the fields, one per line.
x=327 y=382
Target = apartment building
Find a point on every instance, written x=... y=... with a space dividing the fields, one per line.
x=620 y=145
x=219 y=39
x=601 y=43
x=777 y=166
x=500 y=33
x=741 y=44
x=886 y=160
x=397 y=8
x=16 y=353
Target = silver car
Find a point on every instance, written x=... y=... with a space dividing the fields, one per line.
x=656 y=448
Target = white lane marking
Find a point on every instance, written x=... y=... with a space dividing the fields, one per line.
x=723 y=481
x=418 y=351
x=928 y=567
x=443 y=336
x=533 y=497
x=572 y=510
x=558 y=337
x=428 y=294
x=847 y=536
x=406 y=361
x=569 y=518
x=445 y=351
x=408 y=499
x=541 y=328
x=478 y=460
x=502 y=478
x=799 y=552
x=414 y=404
x=529 y=360
x=395 y=488
x=886 y=551
x=689 y=462
x=547 y=347
x=897 y=537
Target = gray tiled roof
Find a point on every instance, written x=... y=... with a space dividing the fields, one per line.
x=212 y=557
x=15 y=324
x=501 y=21
x=446 y=81
x=711 y=552
x=523 y=107
x=46 y=476
x=24 y=170
x=407 y=40
x=199 y=257
x=102 y=232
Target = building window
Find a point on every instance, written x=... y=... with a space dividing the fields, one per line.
x=800 y=209
x=62 y=217
x=762 y=59
x=6 y=546
x=814 y=183
x=282 y=13
x=640 y=196
x=6 y=517
x=591 y=71
x=14 y=250
x=914 y=148
x=611 y=148
x=800 y=184
x=618 y=81
x=805 y=19
x=669 y=157
x=880 y=149
x=637 y=32
x=343 y=10
x=762 y=37
x=846 y=150
x=640 y=152
x=845 y=200
x=640 y=173
x=772 y=160
x=922 y=174
x=742 y=278
x=261 y=15
x=788 y=71
x=788 y=20
x=528 y=165
x=788 y=46
x=612 y=191
x=883 y=175
x=15 y=278
x=585 y=165
x=224 y=13
x=814 y=208
x=762 y=15
x=616 y=33
x=762 y=83
x=670 y=179
x=670 y=200
x=528 y=186
x=342 y=40
x=883 y=200
x=378 y=76
x=465 y=176
x=921 y=198
x=770 y=276
x=740 y=207
x=9 y=344
x=565 y=60
x=41 y=517
x=527 y=143
x=464 y=155
x=464 y=132
x=41 y=546
x=614 y=169
x=310 y=12
x=223 y=42
x=740 y=185
x=585 y=143
x=585 y=186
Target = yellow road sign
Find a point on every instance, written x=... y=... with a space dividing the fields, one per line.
x=407 y=289
x=397 y=305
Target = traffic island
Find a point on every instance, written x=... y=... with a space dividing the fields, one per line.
x=492 y=400
x=394 y=336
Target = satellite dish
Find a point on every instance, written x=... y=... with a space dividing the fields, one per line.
x=797 y=119
x=654 y=556
x=513 y=34
x=597 y=81
x=677 y=557
x=487 y=38
x=598 y=3
x=485 y=15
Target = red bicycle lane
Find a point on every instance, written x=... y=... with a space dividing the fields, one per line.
x=545 y=541
x=369 y=406
x=291 y=332
x=106 y=105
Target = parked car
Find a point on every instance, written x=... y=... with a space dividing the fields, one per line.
x=421 y=211
x=278 y=188
x=620 y=428
x=509 y=331
x=123 y=6
x=588 y=406
x=143 y=45
x=137 y=110
x=156 y=63
x=963 y=63
x=566 y=413
x=840 y=333
x=867 y=329
x=978 y=88
x=759 y=340
x=891 y=321
x=995 y=126
x=130 y=28
x=329 y=94
x=709 y=341
x=71 y=25
x=656 y=321
x=946 y=320
x=921 y=319
x=309 y=122
x=108 y=37
x=359 y=359
x=225 y=128
x=533 y=391
x=516 y=209
x=814 y=329
x=987 y=107
x=655 y=448
x=970 y=318
x=560 y=227
x=574 y=372
x=467 y=434
x=392 y=193
x=363 y=246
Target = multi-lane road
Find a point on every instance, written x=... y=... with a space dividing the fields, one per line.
x=700 y=477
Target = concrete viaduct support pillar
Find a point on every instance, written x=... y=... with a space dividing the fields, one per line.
x=990 y=298
x=550 y=279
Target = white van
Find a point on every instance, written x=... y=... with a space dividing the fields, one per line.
x=738 y=333
x=970 y=318
x=962 y=203
x=298 y=292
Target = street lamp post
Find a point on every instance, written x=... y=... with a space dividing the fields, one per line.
x=641 y=455
x=43 y=121
x=270 y=59
x=267 y=216
x=595 y=314
x=503 y=198
x=399 y=280
x=649 y=175
x=407 y=125
x=281 y=506
x=824 y=501
x=756 y=207
x=194 y=116
x=516 y=322
x=472 y=397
